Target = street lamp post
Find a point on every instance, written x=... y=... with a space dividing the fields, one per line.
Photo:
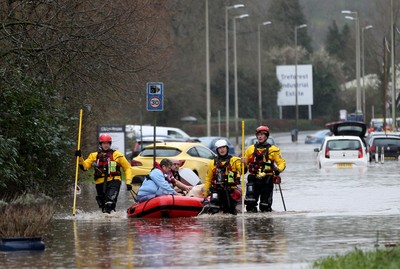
x=227 y=64
x=295 y=74
x=392 y=51
x=356 y=19
x=235 y=74
x=363 y=67
x=259 y=72
x=208 y=94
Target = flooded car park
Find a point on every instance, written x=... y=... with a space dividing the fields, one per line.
x=329 y=211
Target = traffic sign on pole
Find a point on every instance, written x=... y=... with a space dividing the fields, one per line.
x=155 y=96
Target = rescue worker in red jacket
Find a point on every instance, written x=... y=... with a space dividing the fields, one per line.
x=107 y=164
x=222 y=180
x=264 y=161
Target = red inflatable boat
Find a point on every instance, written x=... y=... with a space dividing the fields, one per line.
x=167 y=206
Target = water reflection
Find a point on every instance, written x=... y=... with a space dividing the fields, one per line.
x=161 y=241
x=219 y=239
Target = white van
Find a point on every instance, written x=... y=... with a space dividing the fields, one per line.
x=137 y=131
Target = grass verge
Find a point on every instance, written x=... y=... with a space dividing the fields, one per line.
x=380 y=258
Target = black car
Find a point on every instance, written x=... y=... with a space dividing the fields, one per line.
x=389 y=143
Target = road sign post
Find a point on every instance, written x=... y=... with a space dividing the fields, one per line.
x=155 y=96
x=155 y=102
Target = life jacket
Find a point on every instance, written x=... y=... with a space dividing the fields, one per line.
x=106 y=165
x=176 y=176
x=259 y=161
x=223 y=176
x=170 y=179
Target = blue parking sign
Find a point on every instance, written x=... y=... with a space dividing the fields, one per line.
x=155 y=96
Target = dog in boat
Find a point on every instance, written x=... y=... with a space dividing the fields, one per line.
x=196 y=191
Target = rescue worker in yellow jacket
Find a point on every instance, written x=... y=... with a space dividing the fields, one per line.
x=222 y=180
x=264 y=163
x=107 y=164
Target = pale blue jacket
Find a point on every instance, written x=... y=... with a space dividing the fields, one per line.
x=156 y=186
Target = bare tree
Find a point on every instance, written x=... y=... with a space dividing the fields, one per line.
x=95 y=52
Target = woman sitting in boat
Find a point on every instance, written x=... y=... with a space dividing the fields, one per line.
x=158 y=182
x=222 y=180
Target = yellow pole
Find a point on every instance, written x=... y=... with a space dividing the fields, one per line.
x=243 y=187
x=243 y=167
x=77 y=161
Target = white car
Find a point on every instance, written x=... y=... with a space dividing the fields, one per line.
x=346 y=149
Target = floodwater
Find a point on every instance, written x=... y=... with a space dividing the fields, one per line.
x=328 y=212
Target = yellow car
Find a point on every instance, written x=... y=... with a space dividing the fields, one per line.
x=195 y=156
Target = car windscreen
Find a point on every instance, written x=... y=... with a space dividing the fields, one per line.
x=160 y=152
x=200 y=152
x=344 y=144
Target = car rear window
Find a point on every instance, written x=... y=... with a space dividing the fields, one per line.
x=386 y=142
x=344 y=144
x=349 y=130
x=160 y=152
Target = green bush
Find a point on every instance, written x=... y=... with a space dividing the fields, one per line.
x=33 y=136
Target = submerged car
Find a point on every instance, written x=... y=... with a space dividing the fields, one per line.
x=346 y=148
x=317 y=137
x=195 y=156
x=389 y=144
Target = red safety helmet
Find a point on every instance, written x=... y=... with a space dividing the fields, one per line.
x=105 y=138
x=263 y=129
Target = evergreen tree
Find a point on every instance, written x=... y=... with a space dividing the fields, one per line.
x=327 y=77
x=339 y=44
x=286 y=15
x=333 y=41
x=345 y=50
